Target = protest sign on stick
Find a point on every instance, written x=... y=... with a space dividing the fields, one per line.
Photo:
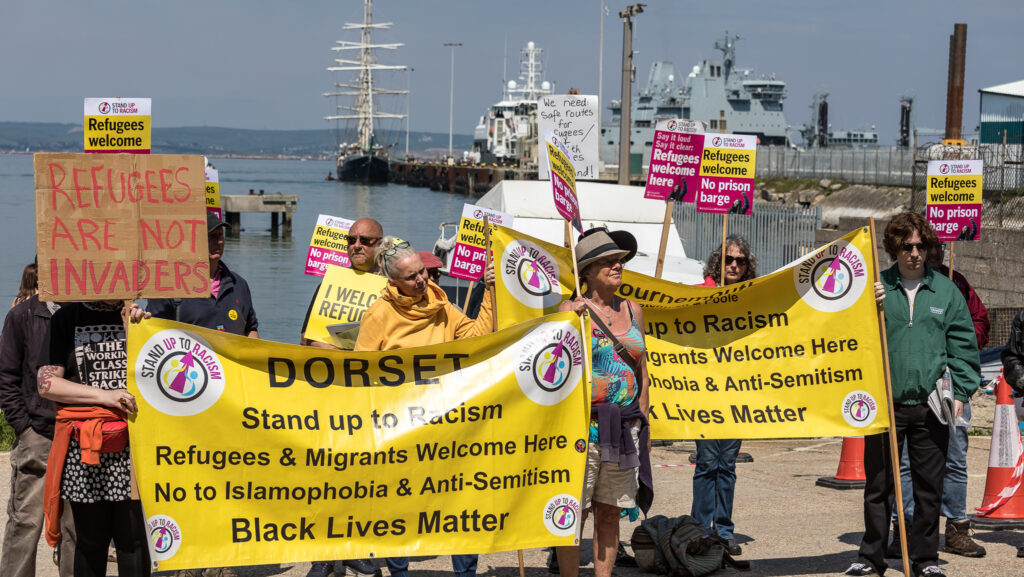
x=120 y=227
x=329 y=245
x=469 y=255
x=673 y=175
x=213 y=192
x=117 y=125
x=574 y=119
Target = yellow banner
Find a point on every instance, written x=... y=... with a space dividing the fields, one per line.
x=964 y=189
x=793 y=354
x=532 y=277
x=343 y=297
x=254 y=452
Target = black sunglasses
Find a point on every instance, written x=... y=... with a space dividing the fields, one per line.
x=363 y=240
x=739 y=260
x=910 y=246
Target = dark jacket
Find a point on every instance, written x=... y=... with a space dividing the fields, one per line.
x=21 y=344
x=230 y=311
x=979 y=314
x=1013 y=355
x=940 y=334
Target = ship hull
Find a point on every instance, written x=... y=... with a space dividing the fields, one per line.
x=363 y=168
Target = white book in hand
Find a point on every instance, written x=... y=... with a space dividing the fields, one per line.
x=941 y=399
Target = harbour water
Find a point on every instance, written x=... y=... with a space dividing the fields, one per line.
x=272 y=265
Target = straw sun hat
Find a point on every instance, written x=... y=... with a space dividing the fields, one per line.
x=598 y=243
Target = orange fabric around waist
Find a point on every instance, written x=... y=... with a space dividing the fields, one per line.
x=90 y=422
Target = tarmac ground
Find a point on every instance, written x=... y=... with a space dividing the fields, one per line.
x=786 y=524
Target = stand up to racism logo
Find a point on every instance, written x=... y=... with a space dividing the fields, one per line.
x=549 y=362
x=165 y=536
x=178 y=373
x=561 y=515
x=530 y=275
x=832 y=279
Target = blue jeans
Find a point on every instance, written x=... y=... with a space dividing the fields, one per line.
x=714 y=484
x=462 y=565
x=954 y=486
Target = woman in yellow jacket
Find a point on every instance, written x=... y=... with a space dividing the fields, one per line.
x=412 y=312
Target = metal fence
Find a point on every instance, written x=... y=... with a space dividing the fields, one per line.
x=777 y=234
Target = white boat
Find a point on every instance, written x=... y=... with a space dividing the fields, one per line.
x=615 y=206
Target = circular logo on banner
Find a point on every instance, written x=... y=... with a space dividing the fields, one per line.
x=104 y=108
x=178 y=373
x=832 y=279
x=671 y=125
x=716 y=141
x=530 y=274
x=477 y=214
x=165 y=535
x=943 y=168
x=561 y=515
x=549 y=362
x=859 y=409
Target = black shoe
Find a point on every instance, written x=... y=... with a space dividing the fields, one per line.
x=894 y=550
x=1020 y=551
x=321 y=569
x=623 y=559
x=552 y=561
x=361 y=568
x=929 y=571
x=732 y=548
x=861 y=570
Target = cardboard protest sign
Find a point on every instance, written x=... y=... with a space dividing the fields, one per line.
x=213 y=192
x=574 y=119
x=118 y=125
x=120 y=227
x=563 y=182
x=675 y=160
x=727 y=174
x=954 y=198
x=339 y=305
x=469 y=259
x=275 y=453
x=328 y=245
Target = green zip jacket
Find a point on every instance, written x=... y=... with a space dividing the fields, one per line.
x=940 y=334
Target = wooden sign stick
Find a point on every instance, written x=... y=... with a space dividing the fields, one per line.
x=669 y=204
x=725 y=222
x=952 y=244
x=490 y=289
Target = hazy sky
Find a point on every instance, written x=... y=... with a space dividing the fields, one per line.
x=262 y=64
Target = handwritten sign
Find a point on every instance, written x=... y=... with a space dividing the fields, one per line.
x=118 y=125
x=727 y=174
x=328 y=245
x=563 y=182
x=120 y=227
x=675 y=160
x=213 y=192
x=470 y=256
x=954 y=198
x=574 y=119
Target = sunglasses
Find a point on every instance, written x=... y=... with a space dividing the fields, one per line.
x=363 y=240
x=395 y=248
x=739 y=260
x=910 y=246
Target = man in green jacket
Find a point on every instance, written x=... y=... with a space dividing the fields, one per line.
x=928 y=328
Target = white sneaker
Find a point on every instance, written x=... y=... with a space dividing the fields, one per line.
x=862 y=570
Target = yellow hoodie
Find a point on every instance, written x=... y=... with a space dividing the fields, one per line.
x=397 y=321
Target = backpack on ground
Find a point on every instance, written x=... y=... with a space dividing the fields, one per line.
x=680 y=547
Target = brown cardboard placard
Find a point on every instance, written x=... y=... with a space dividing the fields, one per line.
x=120 y=226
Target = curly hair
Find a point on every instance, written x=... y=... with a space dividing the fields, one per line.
x=713 y=266
x=390 y=252
x=902 y=226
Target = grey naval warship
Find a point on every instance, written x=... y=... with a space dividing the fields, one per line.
x=726 y=98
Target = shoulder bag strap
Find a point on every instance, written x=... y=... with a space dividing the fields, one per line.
x=618 y=346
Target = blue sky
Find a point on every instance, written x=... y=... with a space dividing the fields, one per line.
x=262 y=64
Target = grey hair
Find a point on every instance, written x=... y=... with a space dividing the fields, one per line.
x=386 y=259
x=713 y=266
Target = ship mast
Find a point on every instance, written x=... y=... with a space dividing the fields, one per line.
x=365 y=111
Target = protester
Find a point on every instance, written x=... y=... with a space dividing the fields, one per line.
x=229 y=308
x=32 y=418
x=1013 y=366
x=618 y=473
x=928 y=329
x=954 y=487
x=29 y=285
x=364 y=235
x=714 y=478
x=413 y=311
x=90 y=468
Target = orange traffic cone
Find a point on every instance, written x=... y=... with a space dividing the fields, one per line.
x=1003 y=504
x=851 y=467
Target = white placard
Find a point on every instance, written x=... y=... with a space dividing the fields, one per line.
x=576 y=119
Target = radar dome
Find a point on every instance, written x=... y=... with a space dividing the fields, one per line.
x=696 y=70
x=545 y=85
x=529 y=45
x=511 y=84
x=671 y=77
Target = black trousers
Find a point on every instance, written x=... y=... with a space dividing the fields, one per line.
x=927 y=440
x=98 y=523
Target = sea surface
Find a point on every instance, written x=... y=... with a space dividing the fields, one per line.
x=273 y=265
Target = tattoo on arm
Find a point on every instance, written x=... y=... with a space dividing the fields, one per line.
x=46 y=375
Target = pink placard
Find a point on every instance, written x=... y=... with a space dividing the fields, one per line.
x=675 y=163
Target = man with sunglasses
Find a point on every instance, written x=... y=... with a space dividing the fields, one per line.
x=928 y=328
x=362 y=238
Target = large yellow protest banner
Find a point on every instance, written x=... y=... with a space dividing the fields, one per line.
x=532 y=277
x=796 y=353
x=339 y=305
x=249 y=452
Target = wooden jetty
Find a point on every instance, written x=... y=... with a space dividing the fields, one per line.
x=471 y=179
x=280 y=206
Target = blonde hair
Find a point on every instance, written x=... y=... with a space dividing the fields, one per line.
x=391 y=251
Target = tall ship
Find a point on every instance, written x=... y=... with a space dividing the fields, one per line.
x=507 y=133
x=362 y=157
x=726 y=98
